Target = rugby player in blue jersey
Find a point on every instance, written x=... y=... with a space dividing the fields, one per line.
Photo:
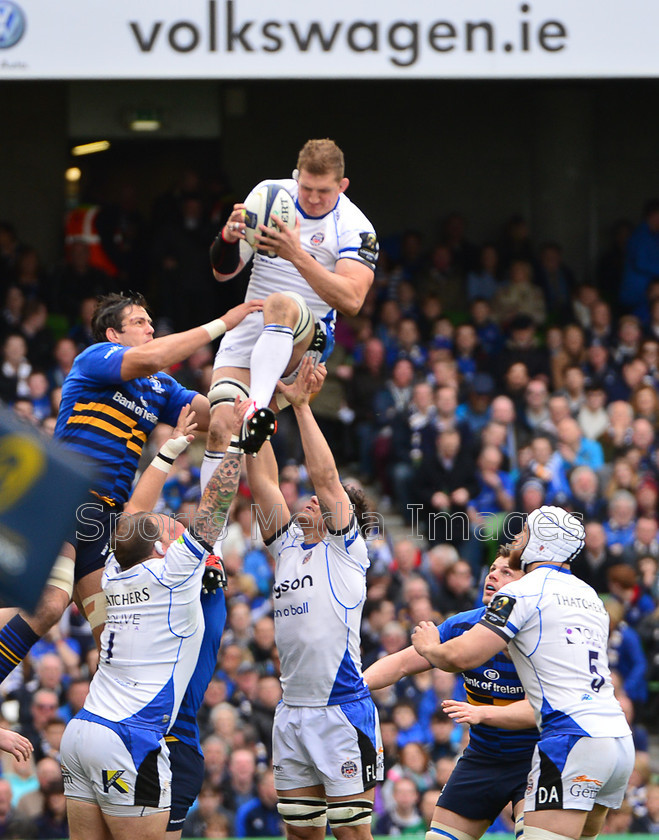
x=494 y=767
x=112 y=399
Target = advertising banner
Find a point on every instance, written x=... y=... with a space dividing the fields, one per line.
x=252 y=39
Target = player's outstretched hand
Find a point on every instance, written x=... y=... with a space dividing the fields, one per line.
x=15 y=744
x=425 y=637
x=185 y=425
x=462 y=712
x=308 y=382
x=239 y=411
x=234 y=316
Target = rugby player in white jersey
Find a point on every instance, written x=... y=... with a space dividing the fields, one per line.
x=327 y=753
x=556 y=630
x=115 y=761
x=326 y=264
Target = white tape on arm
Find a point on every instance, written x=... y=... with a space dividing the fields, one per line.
x=61 y=575
x=215 y=328
x=169 y=452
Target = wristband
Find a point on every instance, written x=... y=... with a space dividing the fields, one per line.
x=215 y=328
x=169 y=452
x=234 y=447
x=225 y=255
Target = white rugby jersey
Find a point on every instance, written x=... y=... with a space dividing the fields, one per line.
x=318 y=596
x=152 y=636
x=343 y=233
x=558 y=631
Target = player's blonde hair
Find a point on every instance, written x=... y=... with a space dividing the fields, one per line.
x=320 y=157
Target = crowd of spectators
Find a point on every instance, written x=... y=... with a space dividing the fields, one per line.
x=476 y=384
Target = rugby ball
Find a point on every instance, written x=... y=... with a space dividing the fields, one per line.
x=261 y=205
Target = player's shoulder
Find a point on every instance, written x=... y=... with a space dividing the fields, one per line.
x=114 y=575
x=349 y=214
x=523 y=584
x=100 y=351
x=568 y=584
x=461 y=622
x=112 y=568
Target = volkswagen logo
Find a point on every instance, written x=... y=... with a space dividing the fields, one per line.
x=12 y=24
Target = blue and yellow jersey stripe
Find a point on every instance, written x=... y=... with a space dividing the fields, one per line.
x=495 y=683
x=109 y=420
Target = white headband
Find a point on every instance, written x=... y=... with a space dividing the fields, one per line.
x=555 y=536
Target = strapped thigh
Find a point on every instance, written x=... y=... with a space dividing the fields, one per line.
x=439 y=831
x=303 y=811
x=350 y=812
x=225 y=391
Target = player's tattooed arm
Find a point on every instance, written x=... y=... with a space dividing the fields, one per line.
x=220 y=491
x=215 y=503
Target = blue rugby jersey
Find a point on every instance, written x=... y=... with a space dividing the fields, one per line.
x=109 y=420
x=493 y=683
x=185 y=726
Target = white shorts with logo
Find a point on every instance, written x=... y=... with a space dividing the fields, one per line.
x=577 y=773
x=338 y=747
x=236 y=347
x=98 y=767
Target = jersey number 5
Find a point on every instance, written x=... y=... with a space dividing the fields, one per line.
x=598 y=681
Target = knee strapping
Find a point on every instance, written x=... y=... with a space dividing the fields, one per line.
x=519 y=826
x=225 y=391
x=440 y=830
x=61 y=575
x=303 y=811
x=350 y=812
x=305 y=319
x=532 y=832
x=95 y=609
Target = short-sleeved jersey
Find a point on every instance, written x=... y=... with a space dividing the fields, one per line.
x=318 y=596
x=151 y=639
x=343 y=233
x=494 y=683
x=185 y=726
x=108 y=420
x=558 y=631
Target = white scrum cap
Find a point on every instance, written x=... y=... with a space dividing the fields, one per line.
x=555 y=536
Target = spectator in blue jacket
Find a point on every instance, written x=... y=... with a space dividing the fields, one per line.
x=626 y=654
x=259 y=816
x=641 y=261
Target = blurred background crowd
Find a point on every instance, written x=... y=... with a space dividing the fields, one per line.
x=479 y=381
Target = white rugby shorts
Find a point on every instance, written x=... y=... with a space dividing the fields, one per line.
x=236 y=347
x=338 y=747
x=97 y=767
x=577 y=773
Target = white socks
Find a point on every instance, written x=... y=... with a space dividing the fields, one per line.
x=211 y=462
x=270 y=357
